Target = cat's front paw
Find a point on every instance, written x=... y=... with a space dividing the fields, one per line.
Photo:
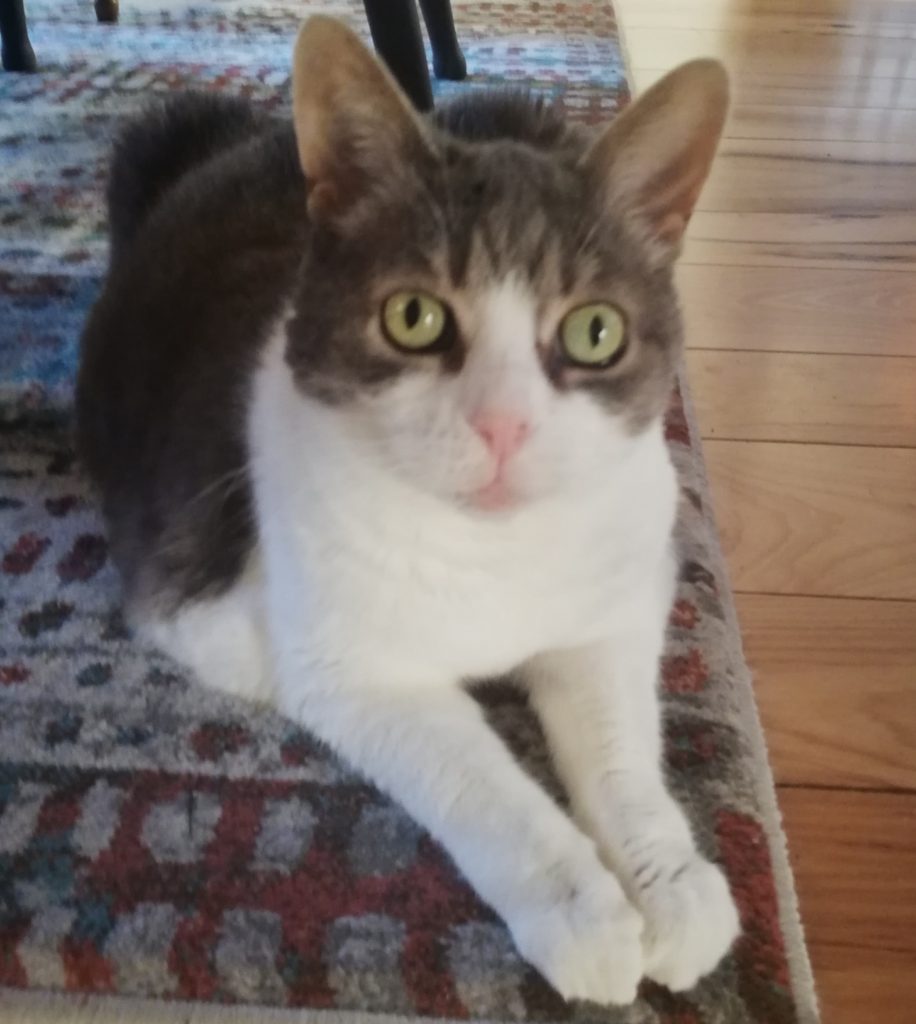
x=586 y=940
x=690 y=919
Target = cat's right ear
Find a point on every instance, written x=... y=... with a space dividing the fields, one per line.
x=354 y=126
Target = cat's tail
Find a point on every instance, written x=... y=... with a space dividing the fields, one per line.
x=154 y=150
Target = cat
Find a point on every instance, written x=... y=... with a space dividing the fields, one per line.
x=374 y=405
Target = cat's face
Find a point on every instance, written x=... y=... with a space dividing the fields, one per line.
x=489 y=342
x=491 y=326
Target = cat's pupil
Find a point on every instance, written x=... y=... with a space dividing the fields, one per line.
x=596 y=331
x=412 y=313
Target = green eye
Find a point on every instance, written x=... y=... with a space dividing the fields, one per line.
x=593 y=335
x=414 y=320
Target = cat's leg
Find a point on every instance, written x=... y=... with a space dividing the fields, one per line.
x=432 y=750
x=600 y=710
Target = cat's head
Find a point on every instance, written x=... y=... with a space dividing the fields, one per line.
x=487 y=296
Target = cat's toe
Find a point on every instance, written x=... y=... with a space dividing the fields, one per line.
x=587 y=944
x=690 y=922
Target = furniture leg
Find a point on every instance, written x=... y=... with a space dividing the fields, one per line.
x=395 y=30
x=448 y=60
x=106 y=11
x=17 y=52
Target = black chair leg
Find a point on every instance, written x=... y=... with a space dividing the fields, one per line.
x=448 y=60
x=17 y=52
x=395 y=30
x=106 y=11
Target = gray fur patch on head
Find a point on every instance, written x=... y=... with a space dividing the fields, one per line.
x=505 y=195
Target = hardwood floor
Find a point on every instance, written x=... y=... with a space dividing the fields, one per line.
x=855 y=864
x=805 y=397
x=799 y=284
x=834 y=681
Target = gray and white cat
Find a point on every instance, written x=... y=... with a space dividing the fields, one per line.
x=375 y=403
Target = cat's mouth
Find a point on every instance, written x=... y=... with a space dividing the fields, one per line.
x=496 y=496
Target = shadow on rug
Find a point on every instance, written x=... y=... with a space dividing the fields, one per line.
x=162 y=842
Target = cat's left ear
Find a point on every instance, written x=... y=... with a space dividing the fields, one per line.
x=651 y=162
x=354 y=126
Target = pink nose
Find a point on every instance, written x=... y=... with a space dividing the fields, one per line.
x=502 y=432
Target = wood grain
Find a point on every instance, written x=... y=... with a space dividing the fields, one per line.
x=840 y=21
x=854 y=856
x=839 y=17
x=835 y=682
x=749 y=120
x=788 y=89
x=861 y=241
x=759 y=49
x=836 y=178
x=815 y=519
x=807 y=310
x=776 y=396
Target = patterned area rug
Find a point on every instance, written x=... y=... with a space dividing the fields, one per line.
x=168 y=846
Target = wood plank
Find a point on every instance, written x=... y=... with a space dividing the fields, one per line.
x=862 y=242
x=786 y=88
x=754 y=50
x=861 y=988
x=824 y=8
x=872 y=16
x=836 y=179
x=835 y=682
x=722 y=17
x=824 y=123
x=805 y=310
x=777 y=396
x=816 y=519
x=854 y=856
